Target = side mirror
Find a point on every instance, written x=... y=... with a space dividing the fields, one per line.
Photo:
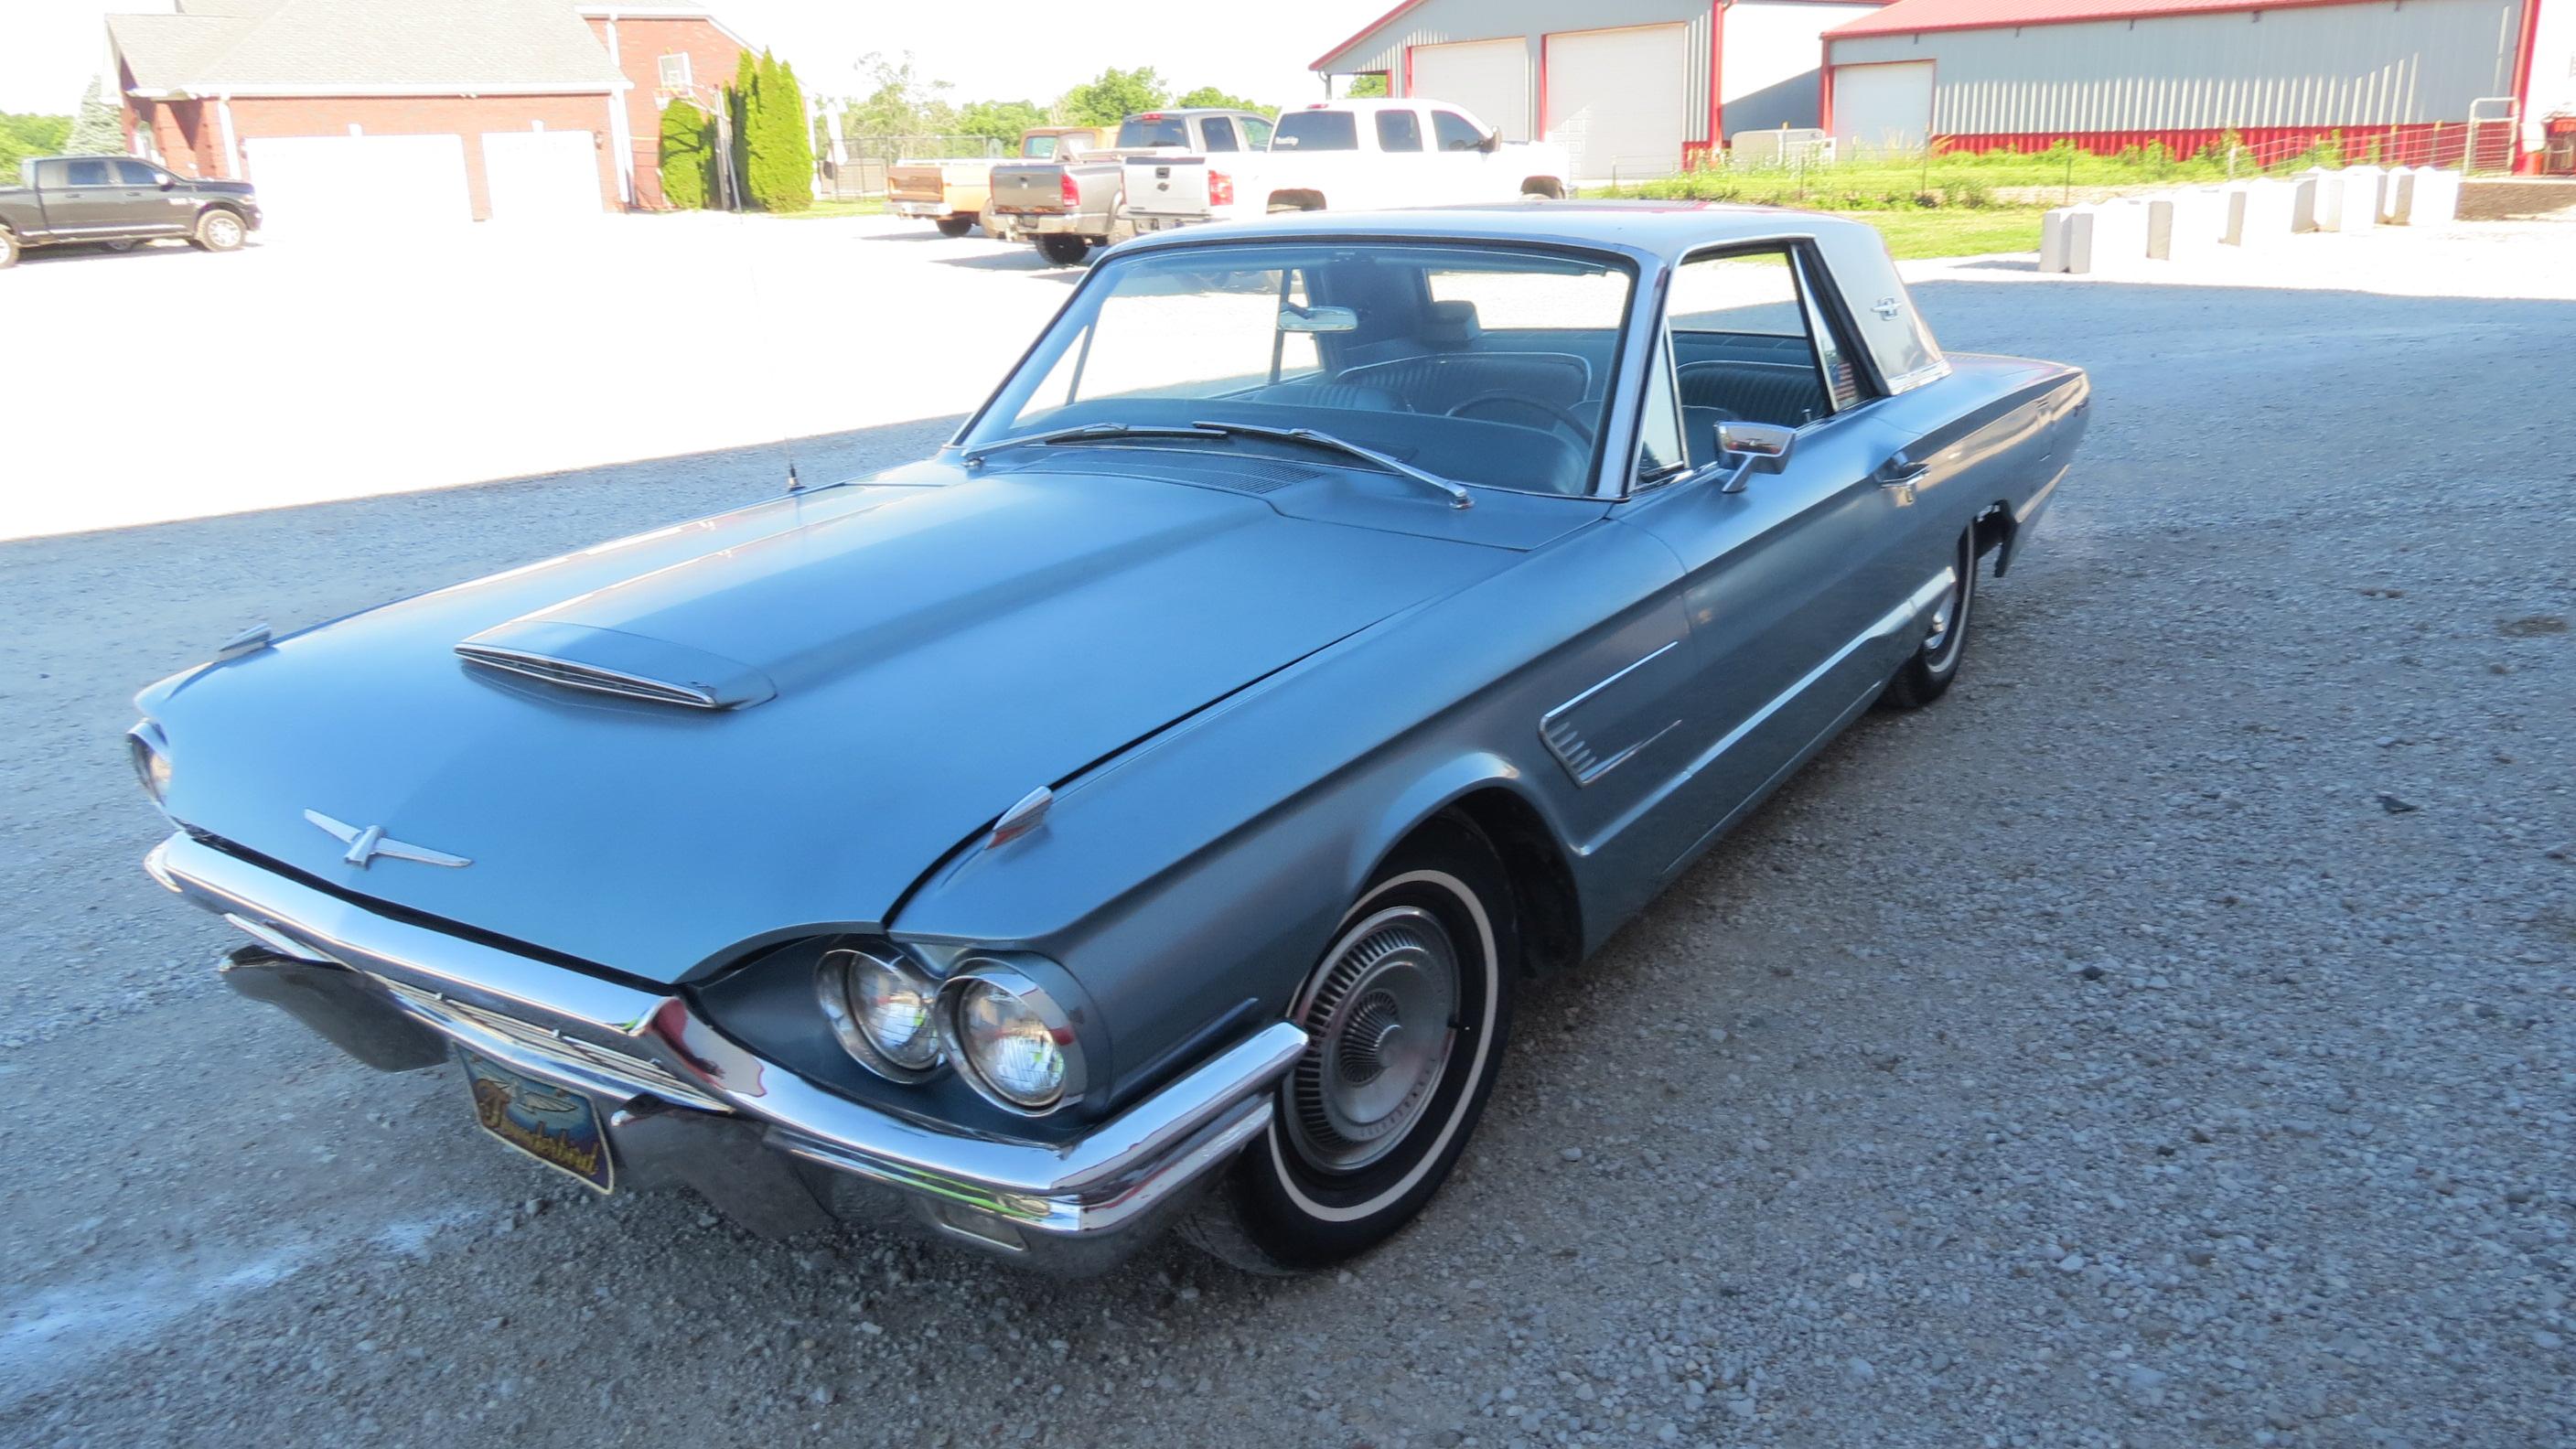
x=169 y=181
x=1756 y=448
x=1491 y=143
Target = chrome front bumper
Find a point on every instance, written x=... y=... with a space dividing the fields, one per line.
x=922 y=210
x=682 y=1101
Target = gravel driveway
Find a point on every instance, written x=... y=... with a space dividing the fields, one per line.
x=2169 y=1038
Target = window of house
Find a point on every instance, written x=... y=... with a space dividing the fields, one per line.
x=1399 y=131
x=675 y=72
x=1455 y=132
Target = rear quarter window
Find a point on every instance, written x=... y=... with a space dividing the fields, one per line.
x=1317 y=131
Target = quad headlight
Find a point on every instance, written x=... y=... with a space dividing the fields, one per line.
x=1012 y=1042
x=880 y=1006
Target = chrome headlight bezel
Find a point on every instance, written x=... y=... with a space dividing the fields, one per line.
x=837 y=993
x=149 y=751
x=988 y=973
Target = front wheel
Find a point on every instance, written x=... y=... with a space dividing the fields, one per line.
x=956 y=225
x=1407 y=1017
x=1928 y=675
x=219 y=231
x=8 y=249
x=1064 y=251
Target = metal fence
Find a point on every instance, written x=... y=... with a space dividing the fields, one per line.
x=848 y=168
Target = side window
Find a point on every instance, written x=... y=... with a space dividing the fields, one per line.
x=1743 y=347
x=1660 y=451
x=51 y=174
x=88 y=173
x=1256 y=134
x=1399 y=131
x=1039 y=148
x=138 y=173
x=1842 y=376
x=1455 y=132
x=1220 y=134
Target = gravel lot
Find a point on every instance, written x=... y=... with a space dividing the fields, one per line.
x=2167 y=1039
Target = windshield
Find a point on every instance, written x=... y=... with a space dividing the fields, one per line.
x=1142 y=131
x=1484 y=364
x=1316 y=131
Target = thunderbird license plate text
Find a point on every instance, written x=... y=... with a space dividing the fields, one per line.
x=555 y=1125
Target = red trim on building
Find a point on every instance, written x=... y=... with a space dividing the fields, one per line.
x=1361 y=34
x=2525 y=162
x=1923 y=17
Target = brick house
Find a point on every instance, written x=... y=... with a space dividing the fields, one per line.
x=379 y=113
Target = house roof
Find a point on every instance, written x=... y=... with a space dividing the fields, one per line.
x=1911 y=16
x=356 y=47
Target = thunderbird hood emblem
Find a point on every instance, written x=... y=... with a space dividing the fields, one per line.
x=366 y=843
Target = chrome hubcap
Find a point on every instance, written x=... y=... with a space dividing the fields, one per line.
x=1383 y=1015
x=223 y=233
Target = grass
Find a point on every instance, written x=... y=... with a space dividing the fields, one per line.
x=1956 y=232
x=864 y=206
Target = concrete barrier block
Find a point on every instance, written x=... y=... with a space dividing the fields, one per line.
x=2120 y=236
x=2392 y=195
x=2184 y=226
x=2357 y=208
x=2263 y=212
x=2319 y=205
x=2065 y=235
x=2430 y=197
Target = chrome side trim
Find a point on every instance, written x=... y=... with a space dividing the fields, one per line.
x=1567 y=743
x=2039 y=500
x=619 y=1042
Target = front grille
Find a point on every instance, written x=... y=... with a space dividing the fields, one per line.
x=587 y=1058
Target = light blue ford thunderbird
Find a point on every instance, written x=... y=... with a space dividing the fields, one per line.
x=1143 y=812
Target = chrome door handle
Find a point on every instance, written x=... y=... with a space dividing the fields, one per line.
x=1899 y=474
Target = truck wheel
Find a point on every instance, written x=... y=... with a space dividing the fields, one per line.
x=1409 y=1011
x=8 y=250
x=1064 y=251
x=218 y=231
x=956 y=225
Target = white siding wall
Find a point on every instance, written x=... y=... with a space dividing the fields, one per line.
x=1440 y=21
x=1767 y=59
x=2373 y=64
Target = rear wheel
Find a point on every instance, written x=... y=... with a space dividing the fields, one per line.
x=1927 y=676
x=8 y=249
x=956 y=225
x=219 y=231
x=1064 y=251
x=1407 y=1014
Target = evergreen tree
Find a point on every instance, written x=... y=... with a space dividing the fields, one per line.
x=738 y=101
x=688 y=156
x=786 y=142
x=99 y=129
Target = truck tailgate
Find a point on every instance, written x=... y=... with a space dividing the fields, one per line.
x=917 y=181
x=1028 y=188
x=1168 y=186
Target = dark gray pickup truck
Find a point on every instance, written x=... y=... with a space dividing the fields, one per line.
x=1074 y=203
x=118 y=201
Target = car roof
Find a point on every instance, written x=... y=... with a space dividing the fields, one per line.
x=1665 y=230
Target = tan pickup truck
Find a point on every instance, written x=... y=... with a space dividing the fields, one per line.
x=954 y=193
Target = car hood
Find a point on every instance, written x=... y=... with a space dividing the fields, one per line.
x=900 y=665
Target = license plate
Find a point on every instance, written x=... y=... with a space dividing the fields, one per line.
x=555 y=1125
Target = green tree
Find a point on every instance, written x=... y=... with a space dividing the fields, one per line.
x=1213 y=98
x=99 y=129
x=1001 y=121
x=740 y=100
x=785 y=148
x=896 y=100
x=26 y=136
x=1112 y=96
x=1366 y=87
x=688 y=156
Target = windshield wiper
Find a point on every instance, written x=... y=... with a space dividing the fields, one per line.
x=976 y=453
x=1458 y=496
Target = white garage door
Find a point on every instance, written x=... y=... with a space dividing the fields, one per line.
x=1490 y=78
x=1614 y=97
x=541 y=175
x=1883 y=107
x=310 y=184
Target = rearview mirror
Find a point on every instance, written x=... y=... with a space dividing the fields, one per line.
x=1293 y=318
x=1756 y=448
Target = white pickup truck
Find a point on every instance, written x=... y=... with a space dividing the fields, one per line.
x=1347 y=156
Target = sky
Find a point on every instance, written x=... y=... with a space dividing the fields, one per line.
x=988 y=49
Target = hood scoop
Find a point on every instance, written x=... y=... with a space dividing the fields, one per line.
x=611 y=661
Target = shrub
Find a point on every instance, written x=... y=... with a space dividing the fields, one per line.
x=688 y=156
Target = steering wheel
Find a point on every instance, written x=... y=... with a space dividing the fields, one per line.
x=1582 y=429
